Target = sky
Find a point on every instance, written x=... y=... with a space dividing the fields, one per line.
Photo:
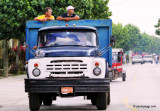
x=142 y=13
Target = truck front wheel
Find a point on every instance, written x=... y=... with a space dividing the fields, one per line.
x=110 y=76
x=40 y=99
x=94 y=100
x=124 y=77
x=109 y=98
x=47 y=100
x=34 y=102
x=102 y=101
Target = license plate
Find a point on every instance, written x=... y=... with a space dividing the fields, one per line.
x=66 y=90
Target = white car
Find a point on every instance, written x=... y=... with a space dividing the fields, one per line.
x=137 y=59
x=148 y=58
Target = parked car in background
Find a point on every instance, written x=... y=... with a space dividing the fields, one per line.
x=137 y=59
x=148 y=58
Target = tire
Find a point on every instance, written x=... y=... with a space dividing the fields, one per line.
x=34 y=103
x=47 y=100
x=93 y=101
x=40 y=99
x=132 y=62
x=101 y=103
x=124 y=77
x=110 y=76
x=108 y=99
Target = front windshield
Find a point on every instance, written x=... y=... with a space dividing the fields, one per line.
x=67 y=38
x=137 y=57
x=147 y=56
x=115 y=58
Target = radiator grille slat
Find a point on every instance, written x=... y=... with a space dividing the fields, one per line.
x=66 y=67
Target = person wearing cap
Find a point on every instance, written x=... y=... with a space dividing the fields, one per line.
x=69 y=15
x=48 y=15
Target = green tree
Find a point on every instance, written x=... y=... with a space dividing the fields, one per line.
x=158 y=27
x=144 y=43
x=134 y=34
x=122 y=36
x=156 y=45
x=130 y=38
x=14 y=13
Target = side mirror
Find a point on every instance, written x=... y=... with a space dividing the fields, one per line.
x=35 y=47
x=112 y=40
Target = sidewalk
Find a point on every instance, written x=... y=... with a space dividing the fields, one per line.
x=12 y=90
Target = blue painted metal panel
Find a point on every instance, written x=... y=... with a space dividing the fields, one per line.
x=104 y=30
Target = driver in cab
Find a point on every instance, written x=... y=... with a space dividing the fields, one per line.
x=83 y=40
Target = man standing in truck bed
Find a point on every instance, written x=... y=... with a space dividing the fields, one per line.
x=69 y=15
x=48 y=15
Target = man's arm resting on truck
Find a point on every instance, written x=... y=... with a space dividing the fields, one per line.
x=44 y=19
x=68 y=19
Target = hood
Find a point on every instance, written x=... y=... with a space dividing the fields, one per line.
x=67 y=51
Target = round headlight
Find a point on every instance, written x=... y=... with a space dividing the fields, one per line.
x=97 y=71
x=36 y=72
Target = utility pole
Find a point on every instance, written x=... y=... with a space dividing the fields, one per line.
x=5 y=58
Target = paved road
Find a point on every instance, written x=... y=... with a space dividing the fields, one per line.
x=141 y=92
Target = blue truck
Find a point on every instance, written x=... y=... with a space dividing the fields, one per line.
x=68 y=59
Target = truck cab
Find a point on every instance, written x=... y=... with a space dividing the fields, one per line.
x=68 y=62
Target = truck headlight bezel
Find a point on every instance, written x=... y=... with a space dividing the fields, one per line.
x=97 y=71
x=36 y=72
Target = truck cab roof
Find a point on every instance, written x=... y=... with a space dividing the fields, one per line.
x=68 y=27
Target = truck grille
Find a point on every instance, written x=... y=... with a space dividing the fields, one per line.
x=66 y=67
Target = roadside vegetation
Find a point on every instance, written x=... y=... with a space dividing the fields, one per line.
x=129 y=37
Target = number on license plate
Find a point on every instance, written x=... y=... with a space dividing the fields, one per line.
x=66 y=90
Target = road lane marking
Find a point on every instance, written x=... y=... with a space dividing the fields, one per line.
x=129 y=106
